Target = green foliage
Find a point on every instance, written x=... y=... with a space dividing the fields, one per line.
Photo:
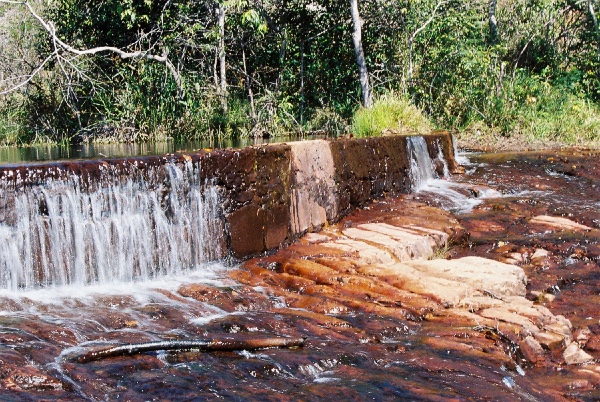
x=553 y=113
x=11 y=121
x=526 y=84
x=389 y=112
x=327 y=121
x=291 y=68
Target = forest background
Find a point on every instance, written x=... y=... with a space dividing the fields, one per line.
x=141 y=70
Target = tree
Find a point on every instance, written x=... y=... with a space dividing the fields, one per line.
x=596 y=31
x=59 y=47
x=492 y=20
x=367 y=96
x=139 y=69
x=222 y=58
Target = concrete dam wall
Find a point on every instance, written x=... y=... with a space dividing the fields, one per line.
x=282 y=191
x=124 y=219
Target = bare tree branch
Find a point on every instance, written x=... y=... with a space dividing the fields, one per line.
x=201 y=345
x=28 y=78
x=60 y=44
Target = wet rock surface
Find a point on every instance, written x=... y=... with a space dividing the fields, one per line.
x=399 y=300
x=547 y=222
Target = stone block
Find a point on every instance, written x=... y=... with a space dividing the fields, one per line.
x=406 y=249
x=532 y=350
x=550 y=340
x=276 y=226
x=593 y=344
x=505 y=315
x=559 y=223
x=246 y=226
x=314 y=191
x=574 y=355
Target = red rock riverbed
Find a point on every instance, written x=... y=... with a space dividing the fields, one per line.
x=400 y=300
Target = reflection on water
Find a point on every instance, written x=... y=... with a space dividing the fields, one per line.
x=45 y=152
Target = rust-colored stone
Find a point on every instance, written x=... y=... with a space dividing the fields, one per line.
x=276 y=229
x=200 y=292
x=593 y=344
x=246 y=228
x=532 y=350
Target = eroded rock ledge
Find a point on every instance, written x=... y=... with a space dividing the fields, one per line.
x=389 y=260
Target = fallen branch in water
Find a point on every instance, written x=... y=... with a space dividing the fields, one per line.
x=201 y=345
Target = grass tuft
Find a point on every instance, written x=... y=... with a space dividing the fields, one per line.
x=389 y=112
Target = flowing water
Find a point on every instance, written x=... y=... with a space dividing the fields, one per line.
x=132 y=295
x=123 y=228
x=136 y=224
x=436 y=185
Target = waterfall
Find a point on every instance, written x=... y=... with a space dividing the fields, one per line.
x=426 y=176
x=421 y=165
x=150 y=222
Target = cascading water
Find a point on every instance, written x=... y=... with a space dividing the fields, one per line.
x=151 y=222
x=426 y=181
x=421 y=166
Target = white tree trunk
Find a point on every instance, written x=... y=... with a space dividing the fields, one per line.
x=593 y=15
x=492 y=20
x=248 y=86
x=595 y=24
x=367 y=96
x=222 y=61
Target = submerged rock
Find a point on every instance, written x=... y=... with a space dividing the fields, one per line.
x=559 y=223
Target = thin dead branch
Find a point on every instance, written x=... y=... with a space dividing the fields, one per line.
x=200 y=345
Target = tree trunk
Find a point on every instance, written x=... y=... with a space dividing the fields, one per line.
x=282 y=54
x=492 y=20
x=248 y=85
x=222 y=65
x=367 y=96
x=593 y=15
x=302 y=83
x=594 y=24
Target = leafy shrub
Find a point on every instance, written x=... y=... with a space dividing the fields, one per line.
x=327 y=120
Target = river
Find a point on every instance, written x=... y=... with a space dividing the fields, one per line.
x=356 y=348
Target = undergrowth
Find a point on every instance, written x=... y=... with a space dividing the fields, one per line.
x=540 y=114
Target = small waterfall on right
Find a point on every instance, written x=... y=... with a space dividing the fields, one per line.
x=422 y=170
x=431 y=179
x=421 y=165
